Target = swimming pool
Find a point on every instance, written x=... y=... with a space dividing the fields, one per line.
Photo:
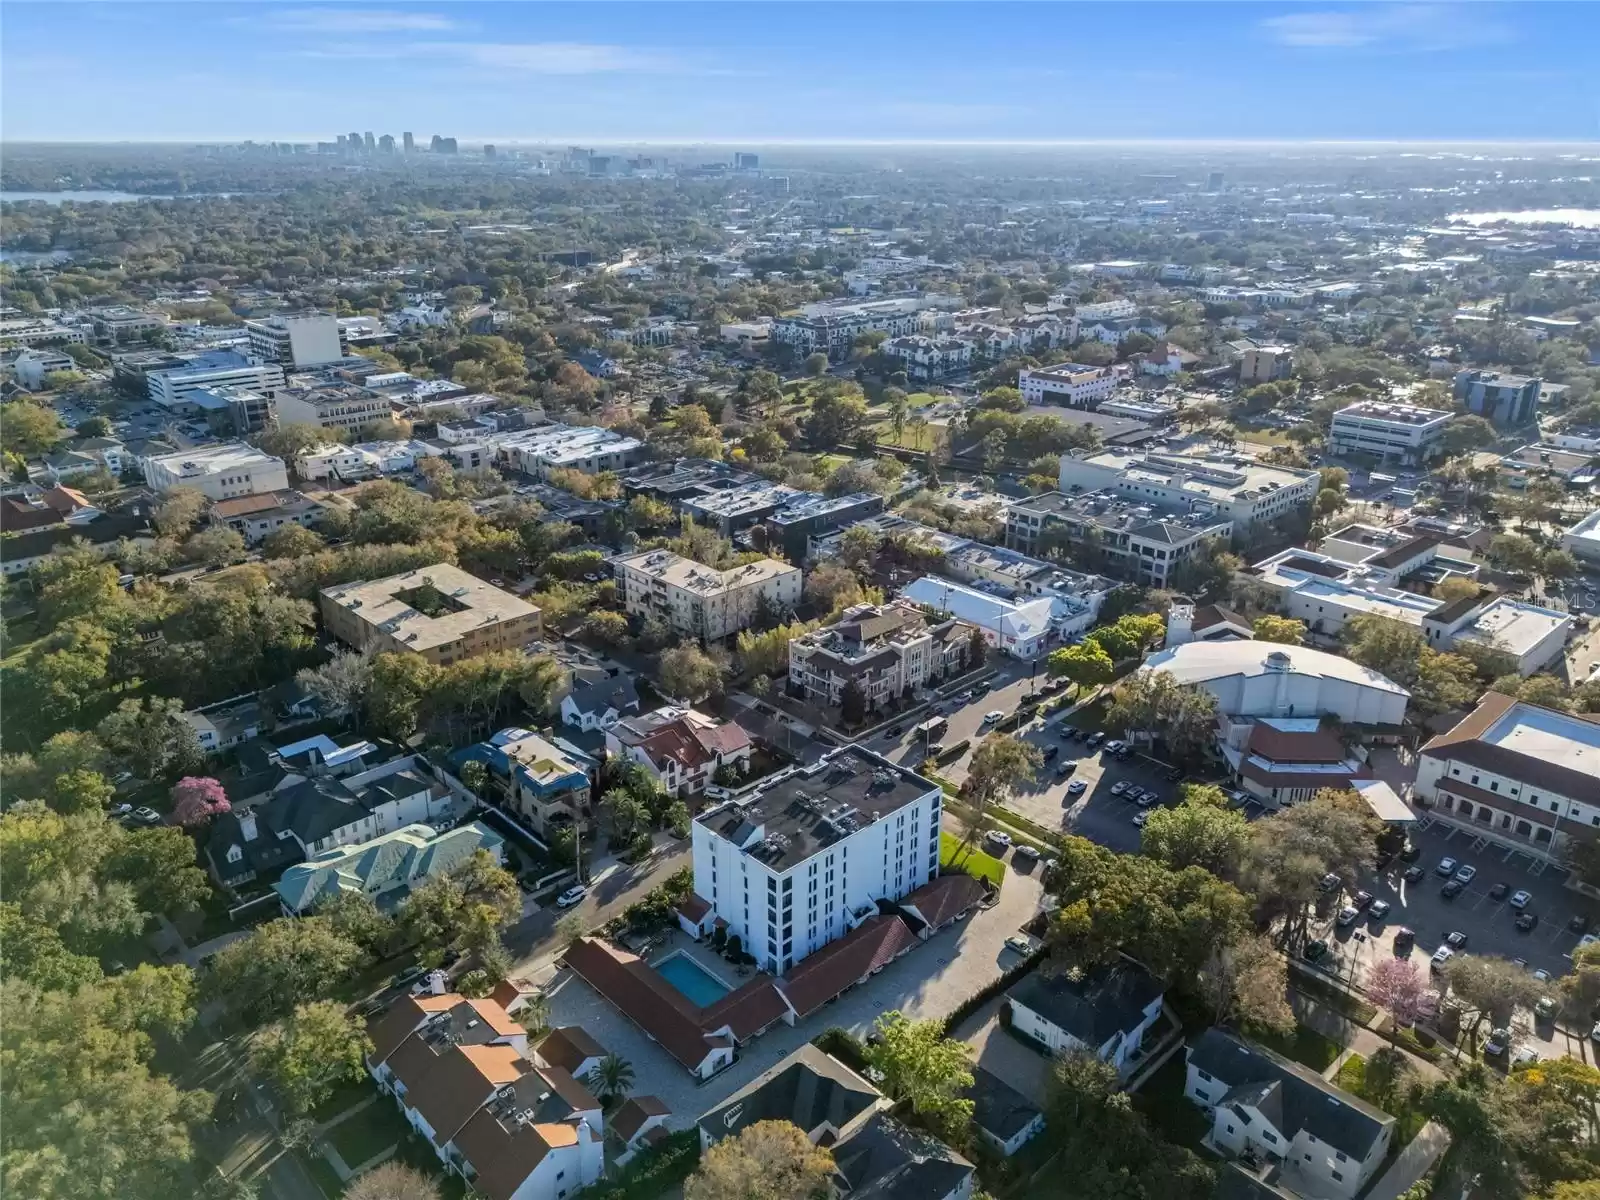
x=699 y=985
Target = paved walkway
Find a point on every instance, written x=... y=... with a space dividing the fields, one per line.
x=1352 y=1038
x=1415 y=1161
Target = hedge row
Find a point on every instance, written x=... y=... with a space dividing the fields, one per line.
x=843 y=1045
x=655 y=1171
x=992 y=989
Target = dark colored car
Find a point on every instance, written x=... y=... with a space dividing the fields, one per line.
x=894 y=731
x=1174 y=774
x=1527 y=921
x=1050 y=753
x=1452 y=889
x=1363 y=899
x=1500 y=891
x=1579 y=923
x=1095 y=739
x=1411 y=853
x=1315 y=950
x=1413 y=874
x=1404 y=937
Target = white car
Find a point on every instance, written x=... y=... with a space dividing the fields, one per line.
x=993 y=717
x=1447 y=866
x=1520 y=900
x=1119 y=787
x=1139 y=818
x=1467 y=873
x=571 y=896
x=1441 y=956
x=1077 y=787
x=1348 y=915
x=998 y=838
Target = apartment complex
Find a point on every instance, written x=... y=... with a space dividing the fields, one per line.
x=219 y=472
x=547 y=784
x=1517 y=774
x=832 y=329
x=1134 y=540
x=1503 y=398
x=927 y=358
x=1234 y=486
x=806 y=859
x=296 y=340
x=1397 y=433
x=332 y=406
x=1265 y=364
x=440 y=612
x=808 y=515
x=887 y=651
x=589 y=449
x=698 y=601
x=1068 y=384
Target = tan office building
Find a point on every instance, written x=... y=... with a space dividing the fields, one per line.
x=440 y=612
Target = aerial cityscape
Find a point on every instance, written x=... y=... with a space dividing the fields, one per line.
x=730 y=602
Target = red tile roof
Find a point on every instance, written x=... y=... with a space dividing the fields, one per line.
x=823 y=975
x=1316 y=746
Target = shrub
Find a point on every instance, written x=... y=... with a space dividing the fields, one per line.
x=843 y=1045
x=655 y=1172
x=992 y=989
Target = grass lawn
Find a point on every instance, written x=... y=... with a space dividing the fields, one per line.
x=969 y=859
x=1352 y=1077
x=367 y=1134
x=1304 y=1045
x=1164 y=1105
x=347 y=1095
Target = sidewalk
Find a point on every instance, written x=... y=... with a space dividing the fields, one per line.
x=1415 y=1160
x=1352 y=1038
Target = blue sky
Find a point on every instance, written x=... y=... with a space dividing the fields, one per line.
x=801 y=72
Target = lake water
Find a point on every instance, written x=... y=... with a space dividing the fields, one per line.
x=106 y=197
x=1578 y=218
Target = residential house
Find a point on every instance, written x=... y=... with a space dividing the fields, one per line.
x=598 y=699
x=1323 y=1142
x=1002 y=1116
x=681 y=748
x=546 y=781
x=387 y=867
x=1106 y=1012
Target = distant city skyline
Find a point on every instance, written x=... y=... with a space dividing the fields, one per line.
x=778 y=74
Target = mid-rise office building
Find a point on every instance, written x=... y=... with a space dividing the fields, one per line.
x=122 y=323
x=174 y=387
x=1397 y=433
x=807 y=858
x=701 y=602
x=1503 y=398
x=1234 y=486
x=440 y=612
x=296 y=340
x=220 y=472
x=1139 y=541
x=1068 y=384
x=808 y=515
x=1265 y=364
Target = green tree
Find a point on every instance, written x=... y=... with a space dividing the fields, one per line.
x=292 y=541
x=689 y=673
x=281 y=964
x=918 y=1064
x=852 y=703
x=30 y=429
x=1153 y=702
x=610 y=1079
x=179 y=511
x=311 y=1052
x=1284 y=630
x=32 y=952
x=999 y=766
x=464 y=909
x=152 y=738
x=815 y=365
x=1086 y=664
x=769 y=1160
x=80 y=791
x=1246 y=981
x=1465 y=433
x=1291 y=851
x=1202 y=831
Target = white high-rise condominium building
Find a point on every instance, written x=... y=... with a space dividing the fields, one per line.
x=807 y=858
x=307 y=339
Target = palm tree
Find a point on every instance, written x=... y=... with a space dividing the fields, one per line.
x=534 y=1016
x=919 y=425
x=612 y=1077
x=897 y=413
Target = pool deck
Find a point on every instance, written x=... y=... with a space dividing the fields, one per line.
x=701 y=970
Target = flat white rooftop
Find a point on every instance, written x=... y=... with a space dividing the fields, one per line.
x=1513 y=626
x=1549 y=736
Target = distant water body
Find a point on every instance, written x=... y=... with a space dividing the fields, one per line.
x=1579 y=218
x=91 y=197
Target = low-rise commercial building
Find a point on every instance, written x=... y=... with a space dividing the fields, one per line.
x=332 y=406
x=174 y=387
x=34 y=331
x=1517 y=774
x=122 y=323
x=1237 y=488
x=589 y=449
x=807 y=515
x=440 y=612
x=220 y=472
x=256 y=518
x=1067 y=384
x=1398 y=433
x=698 y=601
x=1265 y=679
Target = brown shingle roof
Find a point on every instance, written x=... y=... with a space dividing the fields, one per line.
x=448 y=1083
x=1286 y=746
x=694 y=906
x=941 y=900
x=570 y=1047
x=630 y=1118
x=504 y=1158
x=823 y=975
x=388 y=1030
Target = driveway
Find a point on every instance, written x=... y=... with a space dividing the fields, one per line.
x=1002 y=1055
x=928 y=982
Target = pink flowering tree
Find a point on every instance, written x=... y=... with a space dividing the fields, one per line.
x=1398 y=987
x=196 y=799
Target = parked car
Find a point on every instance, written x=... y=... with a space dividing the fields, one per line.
x=1404 y=937
x=1520 y=900
x=1452 y=889
x=1331 y=882
x=1120 y=787
x=1173 y=774
x=894 y=731
x=571 y=896
x=1379 y=910
x=1441 y=956
x=1348 y=915
x=120 y=810
x=1578 y=923
x=1523 y=1056
x=1411 y=853
x=1021 y=943
x=1066 y=768
x=1467 y=873
x=1447 y=866
x=1077 y=787
x=1456 y=940
x=1594 y=1034
x=1545 y=1010
x=145 y=816
x=1541 y=975
x=1026 y=853
x=1584 y=943
x=1413 y=874
x=1051 y=753
x=1499 y=1041
x=993 y=717
x=997 y=837
x=1500 y=891
x=1139 y=818
x=1362 y=899
x=1114 y=747
x=1147 y=799
x=1527 y=922
x=1314 y=950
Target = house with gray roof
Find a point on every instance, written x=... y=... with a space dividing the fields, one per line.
x=1003 y=1116
x=598 y=699
x=386 y=868
x=1300 y=1132
x=1106 y=1011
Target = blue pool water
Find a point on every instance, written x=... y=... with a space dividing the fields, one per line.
x=702 y=988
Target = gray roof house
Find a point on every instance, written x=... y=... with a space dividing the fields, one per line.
x=597 y=699
x=387 y=867
x=1106 y=1011
x=1276 y=1117
x=1003 y=1116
